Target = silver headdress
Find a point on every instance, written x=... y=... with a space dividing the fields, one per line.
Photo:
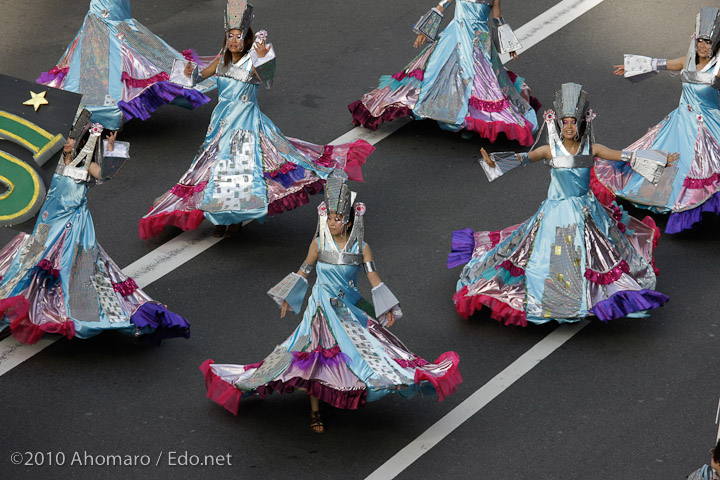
x=570 y=101
x=338 y=197
x=707 y=26
x=238 y=16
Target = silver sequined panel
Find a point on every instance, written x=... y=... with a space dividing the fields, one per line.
x=148 y=45
x=233 y=177
x=108 y=298
x=446 y=98
x=94 y=56
x=563 y=293
x=272 y=366
x=30 y=252
x=83 y=301
x=386 y=375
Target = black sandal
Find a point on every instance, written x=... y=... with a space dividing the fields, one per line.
x=316 y=422
x=219 y=231
x=233 y=230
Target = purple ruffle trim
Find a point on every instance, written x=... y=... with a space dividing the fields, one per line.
x=157 y=95
x=166 y=323
x=325 y=357
x=55 y=73
x=463 y=243
x=510 y=267
x=288 y=177
x=362 y=116
x=608 y=277
x=626 y=302
x=125 y=288
x=680 y=221
x=294 y=200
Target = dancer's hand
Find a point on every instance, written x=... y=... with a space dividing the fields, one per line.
x=284 y=309
x=261 y=48
x=673 y=157
x=188 y=69
x=619 y=69
x=390 y=318
x=420 y=40
x=514 y=55
x=111 y=141
x=487 y=158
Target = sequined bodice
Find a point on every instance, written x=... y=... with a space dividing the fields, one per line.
x=334 y=276
x=569 y=182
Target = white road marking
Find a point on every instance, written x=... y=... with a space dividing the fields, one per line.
x=717 y=417
x=473 y=404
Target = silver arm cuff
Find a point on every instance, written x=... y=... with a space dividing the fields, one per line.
x=498 y=21
x=626 y=156
x=369 y=267
x=443 y=3
x=306 y=268
x=383 y=299
x=291 y=289
x=661 y=63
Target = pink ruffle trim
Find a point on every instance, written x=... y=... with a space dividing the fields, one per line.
x=285 y=168
x=297 y=199
x=362 y=116
x=697 y=183
x=417 y=73
x=608 y=277
x=125 y=288
x=617 y=215
x=494 y=238
x=357 y=154
x=16 y=310
x=414 y=363
x=220 y=391
x=491 y=130
x=448 y=383
x=488 y=105
x=184 y=191
x=144 y=82
x=502 y=312
x=47 y=266
x=602 y=193
x=650 y=222
x=510 y=267
x=152 y=226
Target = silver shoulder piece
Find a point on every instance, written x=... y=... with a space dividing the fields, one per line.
x=79 y=174
x=503 y=37
x=339 y=258
x=241 y=70
x=291 y=289
x=649 y=164
x=383 y=299
x=571 y=161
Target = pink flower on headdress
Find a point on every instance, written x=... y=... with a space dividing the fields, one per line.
x=590 y=115
x=360 y=208
x=261 y=35
x=322 y=210
x=96 y=129
x=549 y=115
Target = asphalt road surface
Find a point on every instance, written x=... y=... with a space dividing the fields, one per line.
x=635 y=398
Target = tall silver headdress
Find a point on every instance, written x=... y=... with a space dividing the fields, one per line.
x=338 y=197
x=570 y=101
x=238 y=16
x=707 y=26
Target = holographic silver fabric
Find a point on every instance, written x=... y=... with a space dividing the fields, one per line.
x=83 y=303
x=147 y=44
x=94 y=58
x=446 y=98
x=564 y=285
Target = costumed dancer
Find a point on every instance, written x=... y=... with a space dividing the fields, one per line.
x=246 y=168
x=688 y=188
x=709 y=472
x=458 y=79
x=122 y=69
x=59 y=279
x=574 y=258
x=341 y=353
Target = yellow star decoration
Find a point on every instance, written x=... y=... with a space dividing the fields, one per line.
x=36 y=100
